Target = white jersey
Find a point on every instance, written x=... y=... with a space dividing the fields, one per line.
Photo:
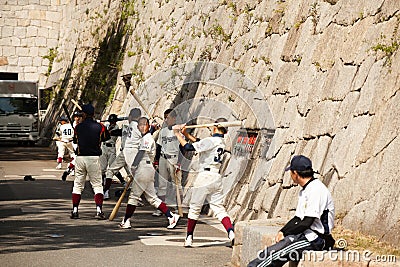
x=315 y=200
x=133 y=135
x=168 y=141
x=211 y=150
x=67 y=132
x=148 y=144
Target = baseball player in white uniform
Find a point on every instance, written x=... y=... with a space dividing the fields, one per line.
x=167 y=156
x=208 y=183
x=65 y=132
x=143 y=178
x=108 y=154
x=310 y=228
x=129 y=144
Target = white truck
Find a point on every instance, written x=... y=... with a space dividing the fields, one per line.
x=19 y=111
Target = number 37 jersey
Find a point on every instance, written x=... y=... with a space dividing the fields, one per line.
x=211 y=150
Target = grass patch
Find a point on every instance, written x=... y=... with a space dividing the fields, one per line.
x=362 y=242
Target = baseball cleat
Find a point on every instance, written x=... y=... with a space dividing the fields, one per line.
x=173 y=221
x=157 y=213
x=100 y=216
x=231 y=237
x=125 y=224
x=59 y=166
x=188 y=241
x=74 y=215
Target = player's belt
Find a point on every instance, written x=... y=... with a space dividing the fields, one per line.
x=166 y=156
x=109 y=145
x=211 y=170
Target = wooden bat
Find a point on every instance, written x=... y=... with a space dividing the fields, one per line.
x=141 y=104
x=118 y=204
x=222 y=124
x=76 y=104
x=67 y=113
x=178 y=194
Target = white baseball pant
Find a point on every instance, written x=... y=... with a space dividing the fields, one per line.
x=107 y=157
x=207 y=186
x=116 y=165
x=166 y=180
x=61 y=146
x=87 y=166
x=143 y=182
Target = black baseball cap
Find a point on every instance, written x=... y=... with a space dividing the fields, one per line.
x=63 y=118
x=300 y=163
x=88 y=109
x=76 y=114
x=112 y=118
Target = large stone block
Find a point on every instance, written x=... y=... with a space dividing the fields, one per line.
x=253 y=236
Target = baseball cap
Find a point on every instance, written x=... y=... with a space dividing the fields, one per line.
x=88 y=109
x=63 y=118
x=76 y=114
x=112 y=118
x=299 y=163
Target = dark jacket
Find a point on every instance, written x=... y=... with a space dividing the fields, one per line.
x=88 y=135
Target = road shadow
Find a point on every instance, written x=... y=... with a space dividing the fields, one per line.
x=34 y=216
x=15 y=152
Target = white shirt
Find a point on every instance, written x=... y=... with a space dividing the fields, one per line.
x=316 y=201
x=148 y=144
x=67 y=132
x=132 y=135
x=168 y=141
x=211 y=150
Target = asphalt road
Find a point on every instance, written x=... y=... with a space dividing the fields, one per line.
x=35 y=228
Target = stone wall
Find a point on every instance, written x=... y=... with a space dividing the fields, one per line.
x=29 y=29
x=324 y=74
x=327 y=70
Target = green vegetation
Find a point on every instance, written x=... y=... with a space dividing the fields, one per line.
x=128 y=9
x=387 y=49
x=217 y=31
x=362 y=242
x=103 y=69
x=137 y=74
x=298 y=59
x=51 y=56
x=131 y=53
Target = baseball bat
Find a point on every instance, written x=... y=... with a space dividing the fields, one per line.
x=76 y=104
x=221 y=124
x=67 y=113
x=118 y=119
x=118 y=204
x=141 y=104
x=178 y=194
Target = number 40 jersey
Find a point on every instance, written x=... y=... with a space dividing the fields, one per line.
x=67 y=132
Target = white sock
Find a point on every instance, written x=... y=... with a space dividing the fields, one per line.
x=75 y=209
x=98 y=209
